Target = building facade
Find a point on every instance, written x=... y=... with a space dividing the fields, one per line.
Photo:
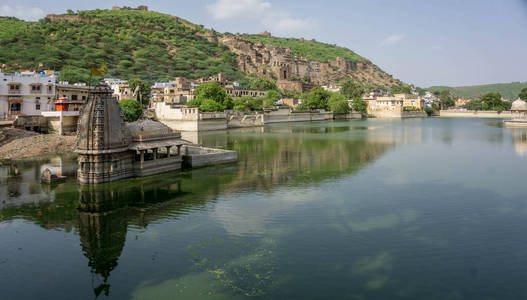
x=178 y=91
x=26 y=94
x=236 y=92
x=75 y=95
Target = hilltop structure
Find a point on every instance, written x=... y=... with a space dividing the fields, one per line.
x=293 y=72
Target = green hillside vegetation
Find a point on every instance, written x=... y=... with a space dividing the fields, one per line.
x=507 y=90
x=313 y=50
x=149 y=45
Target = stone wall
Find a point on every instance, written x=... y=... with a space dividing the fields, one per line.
x=197 y=157
x=348 y=116
x=473 y=114
x=189 y=118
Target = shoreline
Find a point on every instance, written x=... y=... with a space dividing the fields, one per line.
x=17 y=144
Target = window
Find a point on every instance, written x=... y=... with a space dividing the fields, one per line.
x=38 y=98
x=15 y=107
x=37 y=106
x=83 y=97
x=73 y=97
x=50 y=88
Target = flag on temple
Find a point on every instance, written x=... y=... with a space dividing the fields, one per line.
x=95 y=71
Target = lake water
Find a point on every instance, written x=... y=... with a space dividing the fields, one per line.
x=368 y=209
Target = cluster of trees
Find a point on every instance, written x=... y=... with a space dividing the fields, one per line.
x=489 y=101
x=318 y=98
x=131 y=109
x=211 y=96
x=523 y=94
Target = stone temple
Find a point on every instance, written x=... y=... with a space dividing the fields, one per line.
x=109 y=149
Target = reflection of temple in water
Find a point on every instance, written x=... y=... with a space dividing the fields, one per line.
x=519 y=138
x=104 y=215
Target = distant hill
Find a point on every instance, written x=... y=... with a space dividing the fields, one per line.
x=507 y=90
x=156 y=47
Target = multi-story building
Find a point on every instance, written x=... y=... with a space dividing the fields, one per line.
x=177 y=91
x=75 y=95
x=121 y=89
x=26 y=94
x=411 y=100
x=394 y=106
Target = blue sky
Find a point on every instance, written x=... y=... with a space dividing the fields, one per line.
x=432 y=42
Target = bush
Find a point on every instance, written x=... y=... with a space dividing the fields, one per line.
x=411 y=108
x=210 y=105
x=359 y=105
x=317 y=98
x=248 y=103
x=131 y=109
x=211 y=91
x=270 y=98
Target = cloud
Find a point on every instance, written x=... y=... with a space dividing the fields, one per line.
x=276 y=20
x=228 y=9
x=393 y=39
x=22 y=12
x=289 y=25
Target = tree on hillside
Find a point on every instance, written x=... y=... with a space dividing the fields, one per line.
x=211 y=91
x=523 y=94
x=351 y=89
x=317 y=98
x=261 y=83
x=131 y=109
x=420 y=91
x=144 y=89
x=401 y=89
x=338 y=103
x=74 y=74
x=446 y=99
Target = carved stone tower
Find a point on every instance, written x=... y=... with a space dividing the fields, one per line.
x=102 y=142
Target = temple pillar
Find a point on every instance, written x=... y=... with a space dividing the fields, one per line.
x=142 y=155
x=178 y=150
x=168 y=151
x=155 y=153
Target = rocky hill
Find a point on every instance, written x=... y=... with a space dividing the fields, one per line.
x=158 y=47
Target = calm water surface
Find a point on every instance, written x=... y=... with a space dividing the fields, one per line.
x=372 y=209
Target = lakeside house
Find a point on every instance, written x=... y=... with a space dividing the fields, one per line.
x=26 y=94
x=397 y=106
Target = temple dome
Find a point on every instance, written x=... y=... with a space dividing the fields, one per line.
x=146 y=128
x=519 y=105
x=100 y=127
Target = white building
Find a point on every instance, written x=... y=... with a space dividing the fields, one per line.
x=26 y=93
